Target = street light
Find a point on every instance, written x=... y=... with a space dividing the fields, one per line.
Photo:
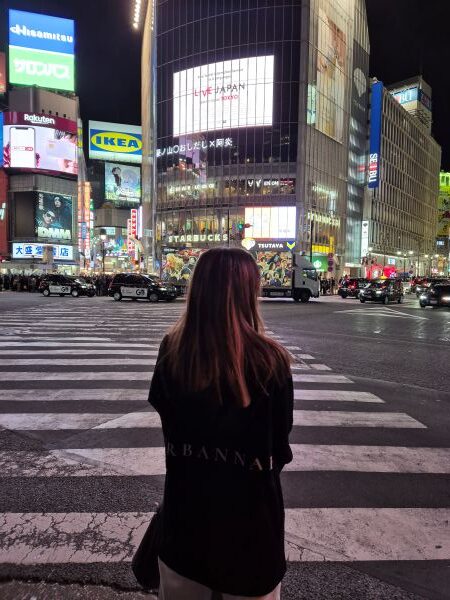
x=103 y=238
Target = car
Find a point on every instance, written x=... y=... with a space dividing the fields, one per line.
x=383 y=290
x=423 y=285
x=438 y=294
x=146 y=287
x=350 y=288
x=64 y=285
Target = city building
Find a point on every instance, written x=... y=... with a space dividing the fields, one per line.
x=442 y=254
x=261 y=127
x=39 y=150
x=400 y=214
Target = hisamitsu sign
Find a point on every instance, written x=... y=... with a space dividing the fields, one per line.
x=41 y=50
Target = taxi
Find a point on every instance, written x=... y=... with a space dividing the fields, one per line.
x=137 y=286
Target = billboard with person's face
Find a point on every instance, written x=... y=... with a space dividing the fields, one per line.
x=53 y=217
x=122 y=184
x=330 y=89
x=38 y=142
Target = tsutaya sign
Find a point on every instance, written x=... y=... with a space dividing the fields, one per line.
x=210 y=237
x=192 y=146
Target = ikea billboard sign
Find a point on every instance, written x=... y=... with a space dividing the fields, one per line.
x=115 y=142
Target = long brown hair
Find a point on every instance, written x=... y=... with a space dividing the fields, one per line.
x=220 y=337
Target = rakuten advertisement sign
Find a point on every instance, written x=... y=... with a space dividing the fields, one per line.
x=223 y=95
x=41 y=50
x=39 y=142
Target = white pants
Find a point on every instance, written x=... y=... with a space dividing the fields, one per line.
x=176 y=587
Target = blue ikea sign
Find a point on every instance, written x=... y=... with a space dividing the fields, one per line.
x=376 y=105
x=41 y=32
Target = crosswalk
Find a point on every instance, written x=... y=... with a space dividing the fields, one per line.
x=82 y=460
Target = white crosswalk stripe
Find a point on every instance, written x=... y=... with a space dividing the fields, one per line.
x=89 y=367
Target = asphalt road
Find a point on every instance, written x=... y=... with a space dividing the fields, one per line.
x=367 y=496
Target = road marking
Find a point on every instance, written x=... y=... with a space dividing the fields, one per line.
x=305 y=356
x=77 y=345
x=147 y=419
x=78 y=375
x=313 y=378
x=76 y=362
x=103 y=462
x=312 y=534
x=74 y=395
x=381 y=312
x=319 y=367
x=330 y=418
x=294 y=348
x=120 y=351
x=336 y=396
x=367 y=534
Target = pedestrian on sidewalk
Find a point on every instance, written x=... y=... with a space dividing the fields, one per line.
x=224 y=392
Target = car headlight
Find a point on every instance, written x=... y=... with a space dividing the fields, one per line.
x=378 y=292
x=423 y=297
x=446 y=298
x=163 y=289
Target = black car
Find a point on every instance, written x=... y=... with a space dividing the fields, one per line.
x=64 y=285
x=135 y=286
x=383 y=290
x=350 y=288
x=436 y=295
x=423 y=285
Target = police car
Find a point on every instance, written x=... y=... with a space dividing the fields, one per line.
x=63 y=285
x=146 y=287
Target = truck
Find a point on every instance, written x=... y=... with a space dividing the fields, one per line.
x=287 y=275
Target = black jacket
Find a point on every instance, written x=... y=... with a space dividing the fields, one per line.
x=223 y=504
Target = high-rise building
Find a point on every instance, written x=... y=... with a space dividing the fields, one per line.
x=39 y=213
x=261 y=116
x=442 y=252
x=400 y=215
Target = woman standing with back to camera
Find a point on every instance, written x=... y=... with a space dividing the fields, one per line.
x=224 y=393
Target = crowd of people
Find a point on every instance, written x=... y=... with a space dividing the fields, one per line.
x=328 y=287
x=30 y=283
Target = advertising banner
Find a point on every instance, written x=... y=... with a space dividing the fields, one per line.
x=330 y=90
x=41 y=50
x=223 y=95
x=178 y=265
x=376 y=103
x=30 y=250
x=270 y=222
x=115 y=142
x=38 y=142
x=2 y=73
x=122 y=184
x=53 y=216
x=3 y=213
x=275 y=268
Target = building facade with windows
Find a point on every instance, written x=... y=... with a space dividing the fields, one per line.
x=261 y=112
x=399 y=227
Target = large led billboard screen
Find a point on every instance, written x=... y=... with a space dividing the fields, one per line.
x=270 y=222
x=41 y=50
x=39 y=142
x=122 y=184
x=223 y=95
x=53 y=217
x=331 y=79
x=115 y=142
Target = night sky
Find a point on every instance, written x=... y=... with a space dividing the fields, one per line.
x=407 y=37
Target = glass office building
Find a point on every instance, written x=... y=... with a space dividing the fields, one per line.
x=261 y=114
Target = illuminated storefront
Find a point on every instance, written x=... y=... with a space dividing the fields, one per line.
x=237 y=131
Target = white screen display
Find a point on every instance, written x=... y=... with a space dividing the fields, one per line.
x=270 y=222
x=223 y=95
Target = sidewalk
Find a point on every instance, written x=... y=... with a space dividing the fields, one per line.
x=18 y=590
